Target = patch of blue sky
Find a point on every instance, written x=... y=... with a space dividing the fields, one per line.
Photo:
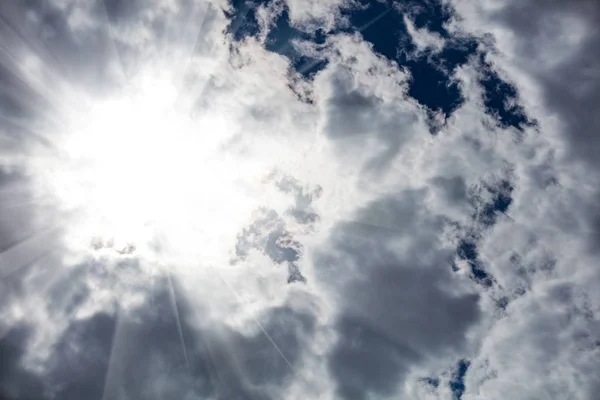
x=457 y=384
x=381 y=23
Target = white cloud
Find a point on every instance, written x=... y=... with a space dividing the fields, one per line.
x=543 y=257
x=422 y=38
x=313 y=14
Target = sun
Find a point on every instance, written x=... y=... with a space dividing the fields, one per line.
x=137 y=174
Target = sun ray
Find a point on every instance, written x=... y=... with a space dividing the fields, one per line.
x=111 y=35
x=374 y=20
x=256 y=321
x=178 y=320
x=7 y=205
x=199 y=92
x=112 y=370
x=28 y=43
x=41 y=94
x=22 y=130
x=13 y=244
x=196 y=39
x=19 y=253
x=30 y=263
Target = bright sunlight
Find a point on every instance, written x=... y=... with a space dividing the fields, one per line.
x=138 y=174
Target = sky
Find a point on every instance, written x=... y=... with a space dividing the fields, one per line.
x=299 y=199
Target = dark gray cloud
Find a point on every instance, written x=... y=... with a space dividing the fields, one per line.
x=395 y=310
x=359 y=108
x=352 y=108
x=571 y=85
x=144 y=353
x=15 y=382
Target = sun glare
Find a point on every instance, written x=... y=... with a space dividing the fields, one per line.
x=139 y=175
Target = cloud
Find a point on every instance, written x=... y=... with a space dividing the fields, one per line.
x=542 y=254
x=394 y=311
x=424 y=39
x=155 y=350
x=317 y=14
x=430 y=193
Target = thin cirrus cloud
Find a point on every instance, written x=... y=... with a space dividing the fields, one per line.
x=387 y=200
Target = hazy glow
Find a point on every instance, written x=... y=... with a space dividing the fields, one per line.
x=136 y=171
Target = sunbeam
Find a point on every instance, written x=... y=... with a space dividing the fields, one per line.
x=173 y=298
x=256 y=321
x=113 y=366
x=112 y=40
